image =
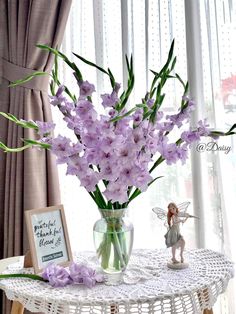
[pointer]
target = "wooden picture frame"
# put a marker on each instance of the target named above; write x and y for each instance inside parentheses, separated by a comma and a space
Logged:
(48, 237)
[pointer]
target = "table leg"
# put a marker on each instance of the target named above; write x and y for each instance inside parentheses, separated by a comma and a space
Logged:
(17, 308)
(114, 309)
(206, 311)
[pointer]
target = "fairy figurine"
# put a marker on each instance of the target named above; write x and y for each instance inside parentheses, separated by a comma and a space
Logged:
(173, 238)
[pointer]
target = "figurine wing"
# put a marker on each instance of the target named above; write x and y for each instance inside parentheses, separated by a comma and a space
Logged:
(161, 213)
(183, 207)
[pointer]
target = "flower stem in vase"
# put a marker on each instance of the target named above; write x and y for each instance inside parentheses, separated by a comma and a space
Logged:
(113, 238)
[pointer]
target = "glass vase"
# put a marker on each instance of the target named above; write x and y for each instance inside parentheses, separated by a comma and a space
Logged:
(113, 240)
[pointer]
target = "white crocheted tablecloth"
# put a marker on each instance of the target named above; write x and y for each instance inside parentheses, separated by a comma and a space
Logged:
(147, 286)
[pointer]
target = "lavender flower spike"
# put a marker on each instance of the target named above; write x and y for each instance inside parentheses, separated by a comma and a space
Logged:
(45, 128)
(56, 275)
(86, 89)
(83, 274)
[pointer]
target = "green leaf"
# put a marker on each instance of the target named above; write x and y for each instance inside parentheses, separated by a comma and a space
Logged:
(230, 133)
(124, 115)
(112, 79)
(56, 52)
(23, 124)
(27, 78)
(170, 54)
(232, 128)
(157, 163)
(9, 116)
(91, 63)
(29, 276)
(173, 63)
(181, 81)
(127, 63)
(217, 133)
(33, 142)
(186, 88)
(13, 150)
(141, 106)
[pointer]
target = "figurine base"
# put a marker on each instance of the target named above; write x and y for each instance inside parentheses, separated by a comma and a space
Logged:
(177, 265)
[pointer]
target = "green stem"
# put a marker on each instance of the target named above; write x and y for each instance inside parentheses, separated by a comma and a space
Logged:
(118, 247)
(30, 276)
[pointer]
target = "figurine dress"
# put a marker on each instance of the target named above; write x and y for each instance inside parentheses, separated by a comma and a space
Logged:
(173, 234)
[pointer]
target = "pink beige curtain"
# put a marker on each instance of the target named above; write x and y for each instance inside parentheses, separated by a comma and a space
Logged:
(27, 180)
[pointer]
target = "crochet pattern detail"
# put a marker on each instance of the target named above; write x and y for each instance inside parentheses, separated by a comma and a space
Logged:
(147, 286)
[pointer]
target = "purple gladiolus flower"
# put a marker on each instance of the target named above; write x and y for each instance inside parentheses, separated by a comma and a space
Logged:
(137, 117)
(109, 100)
(86, 89)
(169, 152)
(56, 275)
(142, 180)
(178, 119)
(58, 99)
(45, 128)
(84, 109)
(117, 88)
(203, 128)
(77, 165)
(61, 148)
(83, 274)
(150, 102)
(89, 180)
(67, 107)
(116, 192)
(112, 113)
(109, 172)
(182, 152)
(190, 136)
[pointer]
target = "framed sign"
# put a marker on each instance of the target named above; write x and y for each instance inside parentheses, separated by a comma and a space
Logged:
(48, 237)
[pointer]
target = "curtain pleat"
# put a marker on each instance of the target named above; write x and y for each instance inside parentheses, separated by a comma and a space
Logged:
(28, 179)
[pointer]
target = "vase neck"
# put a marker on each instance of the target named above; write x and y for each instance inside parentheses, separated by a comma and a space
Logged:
(113, 213)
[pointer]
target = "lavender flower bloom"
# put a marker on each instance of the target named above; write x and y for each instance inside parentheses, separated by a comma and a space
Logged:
(142, 180)
(89, 180)
(84, 109)
(109, 172)
(44, 128)
(178, 119)
(150, 102)
(75, 273)
(138, 137)
(109, 100)
(117, 88)
(169, 152)
(77, 166)
(83, 274)
(190, 136)
(67, 107)
(126, 153)
(116, 192)
(191, 105)
(112, 113)
(58, 99)
(61, 148)
(182, 152)
(203, 128)
(137, 117)
(56, 275)
(86, 89)
(165, 126)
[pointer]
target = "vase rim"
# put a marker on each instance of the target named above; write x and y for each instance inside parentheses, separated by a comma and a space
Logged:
(112, 213)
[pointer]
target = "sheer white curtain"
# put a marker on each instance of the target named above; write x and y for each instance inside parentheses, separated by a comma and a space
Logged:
(104, 31)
